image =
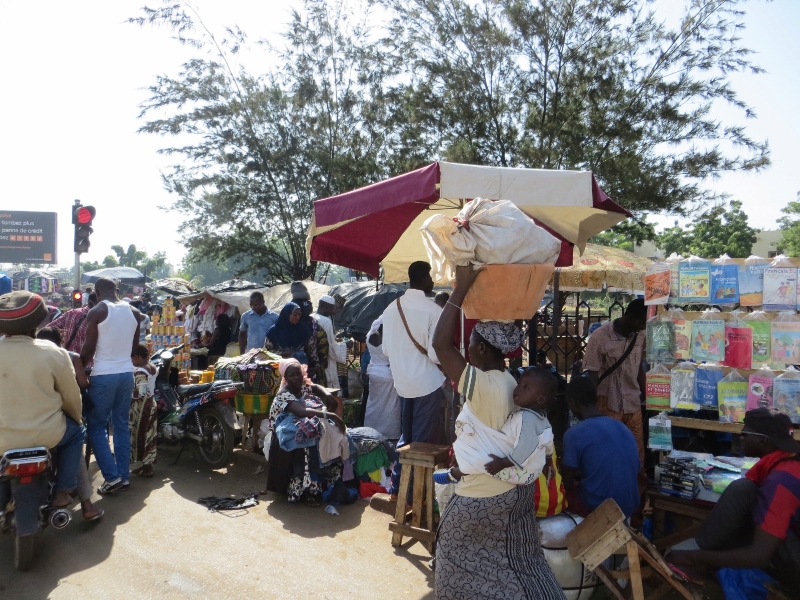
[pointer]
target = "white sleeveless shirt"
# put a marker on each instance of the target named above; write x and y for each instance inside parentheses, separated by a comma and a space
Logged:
(115, 340)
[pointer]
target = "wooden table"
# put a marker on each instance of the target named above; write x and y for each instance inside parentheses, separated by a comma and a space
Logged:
(660, 504)
(707, 425)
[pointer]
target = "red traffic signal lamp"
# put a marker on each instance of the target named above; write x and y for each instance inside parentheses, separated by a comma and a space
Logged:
(82, 217)
(77, 299)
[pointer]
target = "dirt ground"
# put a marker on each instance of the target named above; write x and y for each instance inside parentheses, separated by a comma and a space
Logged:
(156, 541)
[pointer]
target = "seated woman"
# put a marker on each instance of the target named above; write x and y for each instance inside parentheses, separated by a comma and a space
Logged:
(290, 337)
(308, 403)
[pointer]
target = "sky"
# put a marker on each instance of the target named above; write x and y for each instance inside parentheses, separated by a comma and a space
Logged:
(74, 74)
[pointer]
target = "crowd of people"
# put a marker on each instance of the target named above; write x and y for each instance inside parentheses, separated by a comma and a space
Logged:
(487, 543)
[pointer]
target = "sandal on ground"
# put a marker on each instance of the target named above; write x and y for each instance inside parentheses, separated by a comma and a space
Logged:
(145, 471)
(99, 513)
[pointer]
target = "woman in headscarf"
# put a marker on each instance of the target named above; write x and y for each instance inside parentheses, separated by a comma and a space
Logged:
(318, 351)
(308, 403)
(487, 532)
(290, 337)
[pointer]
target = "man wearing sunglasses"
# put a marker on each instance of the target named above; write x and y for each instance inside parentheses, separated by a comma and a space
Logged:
(756, 522)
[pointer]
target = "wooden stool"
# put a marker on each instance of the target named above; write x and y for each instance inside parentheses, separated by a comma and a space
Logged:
(604, 533)
(424, 458)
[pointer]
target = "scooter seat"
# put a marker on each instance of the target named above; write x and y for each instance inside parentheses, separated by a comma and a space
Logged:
(185, 391)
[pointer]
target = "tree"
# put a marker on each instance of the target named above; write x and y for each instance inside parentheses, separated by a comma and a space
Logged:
(713, 233)
(600, 85)
(265, 147)
(790, 228)
(108, 262)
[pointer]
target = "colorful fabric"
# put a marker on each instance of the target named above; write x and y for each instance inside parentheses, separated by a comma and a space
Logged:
(143, 423)
(778, 479)
(550, 497)
(506, 337)
(488, 548)
(67, 323)
(367, 489)
(604, 349)
(371, 461)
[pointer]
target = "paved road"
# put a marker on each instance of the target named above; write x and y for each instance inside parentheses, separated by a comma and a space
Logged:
(155, 541)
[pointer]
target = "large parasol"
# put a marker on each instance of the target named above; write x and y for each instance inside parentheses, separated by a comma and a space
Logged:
(126, 275)
(378, 225)
(604, 268)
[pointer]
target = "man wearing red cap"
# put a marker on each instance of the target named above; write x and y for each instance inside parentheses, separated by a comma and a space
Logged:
(40, 402)
(756, 522)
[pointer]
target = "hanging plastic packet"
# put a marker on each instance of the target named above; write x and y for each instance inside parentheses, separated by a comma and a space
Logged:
(738, 343)
(732, 397)
(657, 388)
(780, 285)
(673, 260)
(683, 334)
(786, 394)
(694, 280)
(681, 390)
(706, 378)
(759, 388)
(761, 326)
(785, 339)
(659, 435)
(724, 281)
(657, 283)
(660, 340)
(751, 281)
(708, 337)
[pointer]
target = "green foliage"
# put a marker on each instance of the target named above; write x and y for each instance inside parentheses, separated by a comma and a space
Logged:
(790, 228)
(714, 232)
(267, 146)
(600, 85)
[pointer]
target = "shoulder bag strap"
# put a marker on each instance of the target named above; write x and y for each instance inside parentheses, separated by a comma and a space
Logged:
(408, 331)
(621, 360)
(77, 327)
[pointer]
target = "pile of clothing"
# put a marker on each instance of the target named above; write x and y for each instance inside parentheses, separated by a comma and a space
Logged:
(371, 460)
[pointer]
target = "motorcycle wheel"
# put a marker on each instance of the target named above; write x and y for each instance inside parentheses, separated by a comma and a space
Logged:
(216, 449)
(23, 552)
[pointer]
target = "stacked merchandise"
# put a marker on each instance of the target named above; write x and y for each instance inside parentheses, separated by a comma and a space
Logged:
(258, 369)
(37, 285)
(680, 477)
(165, 332)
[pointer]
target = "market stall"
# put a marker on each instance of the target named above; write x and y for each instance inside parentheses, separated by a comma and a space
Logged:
(174, 286)
(36, 281)
(734, 348)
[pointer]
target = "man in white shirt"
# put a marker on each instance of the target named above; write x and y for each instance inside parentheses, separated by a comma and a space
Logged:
(337, 351)
(409, 347)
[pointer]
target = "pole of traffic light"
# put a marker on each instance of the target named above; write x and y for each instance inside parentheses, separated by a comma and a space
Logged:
(77, 256)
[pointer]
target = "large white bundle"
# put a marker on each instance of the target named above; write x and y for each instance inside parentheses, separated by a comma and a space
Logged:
(577, 582)
(485, 232)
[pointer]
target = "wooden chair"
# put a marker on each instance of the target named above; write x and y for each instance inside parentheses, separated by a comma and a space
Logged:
(604, 533)
(422, 460)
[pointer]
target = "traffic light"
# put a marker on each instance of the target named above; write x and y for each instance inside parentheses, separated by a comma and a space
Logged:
(82, 217)
(77, 299)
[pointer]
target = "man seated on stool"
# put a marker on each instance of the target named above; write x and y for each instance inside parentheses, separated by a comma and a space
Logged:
(601, 459)
(756, 522)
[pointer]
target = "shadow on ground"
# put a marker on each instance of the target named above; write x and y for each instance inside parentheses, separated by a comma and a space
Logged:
(66, 552)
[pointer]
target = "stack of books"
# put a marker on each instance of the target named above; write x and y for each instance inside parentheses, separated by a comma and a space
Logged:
(680, 477)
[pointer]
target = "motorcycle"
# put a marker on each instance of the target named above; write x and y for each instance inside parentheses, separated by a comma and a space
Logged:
(26, 488)
(201, 414)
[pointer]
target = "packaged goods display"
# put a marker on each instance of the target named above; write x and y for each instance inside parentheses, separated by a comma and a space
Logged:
(166, 333)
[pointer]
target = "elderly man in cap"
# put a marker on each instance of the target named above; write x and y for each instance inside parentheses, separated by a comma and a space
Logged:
(756, 522)
(40, 402)
(337, 350)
